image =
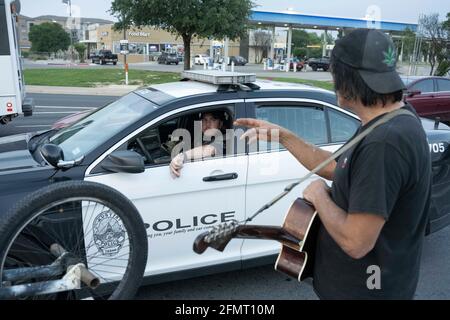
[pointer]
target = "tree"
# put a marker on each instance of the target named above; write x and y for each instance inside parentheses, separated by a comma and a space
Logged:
(446, 23)
(302, 39)
(300, 52)
(48, 37)
(262, 40)
(437, 37)
(217, 19)
(409, 40)
(81, 49)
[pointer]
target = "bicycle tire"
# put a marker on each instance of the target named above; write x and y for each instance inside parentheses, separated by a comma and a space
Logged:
(20, 215)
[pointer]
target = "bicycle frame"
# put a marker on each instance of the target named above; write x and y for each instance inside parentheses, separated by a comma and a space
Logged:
(72, 280)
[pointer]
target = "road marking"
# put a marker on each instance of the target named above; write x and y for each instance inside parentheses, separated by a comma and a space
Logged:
(61, 107)
(12, 139)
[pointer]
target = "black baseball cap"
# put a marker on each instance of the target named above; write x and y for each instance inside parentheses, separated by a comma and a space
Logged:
(373, 54)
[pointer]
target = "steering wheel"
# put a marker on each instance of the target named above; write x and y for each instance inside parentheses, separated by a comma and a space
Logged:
(165, 148)
(145, 151)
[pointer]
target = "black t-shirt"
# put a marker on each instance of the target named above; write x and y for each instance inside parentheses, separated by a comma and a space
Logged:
(388, 174)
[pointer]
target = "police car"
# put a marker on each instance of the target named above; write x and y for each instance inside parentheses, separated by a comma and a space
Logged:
(126, 145)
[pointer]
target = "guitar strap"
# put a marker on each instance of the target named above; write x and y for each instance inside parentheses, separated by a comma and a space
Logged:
(337, 154)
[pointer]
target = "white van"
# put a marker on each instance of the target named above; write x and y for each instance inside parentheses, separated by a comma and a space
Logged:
(12, 89)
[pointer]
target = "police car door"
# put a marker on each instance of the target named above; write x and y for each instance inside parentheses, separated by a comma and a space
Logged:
(209, 192)
(272, 168)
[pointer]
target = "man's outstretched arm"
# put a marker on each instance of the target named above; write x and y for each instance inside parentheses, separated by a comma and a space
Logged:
(307, 154)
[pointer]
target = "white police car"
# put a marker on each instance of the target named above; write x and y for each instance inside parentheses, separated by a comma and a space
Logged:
(126, 145)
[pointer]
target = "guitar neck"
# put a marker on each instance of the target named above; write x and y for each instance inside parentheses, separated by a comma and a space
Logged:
(268, 233)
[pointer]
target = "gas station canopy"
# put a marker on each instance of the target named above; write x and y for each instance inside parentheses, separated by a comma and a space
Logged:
(297, 20)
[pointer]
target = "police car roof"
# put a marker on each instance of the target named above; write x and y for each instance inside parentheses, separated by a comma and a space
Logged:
(191, 88)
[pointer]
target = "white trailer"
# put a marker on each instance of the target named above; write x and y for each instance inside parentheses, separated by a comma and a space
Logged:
(13, 101)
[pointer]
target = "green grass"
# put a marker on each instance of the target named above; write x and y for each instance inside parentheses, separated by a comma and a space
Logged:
(102, 77)
(95, 77)
(320, 84)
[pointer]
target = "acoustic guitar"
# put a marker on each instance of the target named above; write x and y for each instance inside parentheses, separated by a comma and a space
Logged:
(298, 237)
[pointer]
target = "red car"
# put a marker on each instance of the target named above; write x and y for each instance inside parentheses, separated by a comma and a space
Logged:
(300, 66)
(430, 96)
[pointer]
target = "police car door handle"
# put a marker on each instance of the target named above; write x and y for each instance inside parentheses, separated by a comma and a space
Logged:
(222, 177)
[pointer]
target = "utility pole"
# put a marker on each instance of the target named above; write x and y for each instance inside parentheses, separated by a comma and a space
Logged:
(69, 3)
(125, 56)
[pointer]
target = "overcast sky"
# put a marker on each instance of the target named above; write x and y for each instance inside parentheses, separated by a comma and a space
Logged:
(390, 10)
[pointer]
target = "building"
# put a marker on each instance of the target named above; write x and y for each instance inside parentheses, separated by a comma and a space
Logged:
(78, 27)
(145, 44)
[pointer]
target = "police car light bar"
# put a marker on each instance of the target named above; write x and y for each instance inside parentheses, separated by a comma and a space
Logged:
(219, 77)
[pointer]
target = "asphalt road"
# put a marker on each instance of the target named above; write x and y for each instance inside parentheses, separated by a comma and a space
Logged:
(257, 283)
(49, 109)
(263, 283)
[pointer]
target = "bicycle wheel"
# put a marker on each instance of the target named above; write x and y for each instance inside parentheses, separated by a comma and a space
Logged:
(69, 224)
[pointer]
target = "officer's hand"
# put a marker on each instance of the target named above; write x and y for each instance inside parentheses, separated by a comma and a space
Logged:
(175, 165)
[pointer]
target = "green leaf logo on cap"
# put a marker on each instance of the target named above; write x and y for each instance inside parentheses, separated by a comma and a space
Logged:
(389, 57)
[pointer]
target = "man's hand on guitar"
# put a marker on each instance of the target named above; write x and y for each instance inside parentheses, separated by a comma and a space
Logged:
(260, 129)
(318, 190)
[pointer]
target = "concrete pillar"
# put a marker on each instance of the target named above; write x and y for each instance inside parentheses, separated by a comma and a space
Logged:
(211, 49)
(401, 51)
(324, 43)
(272, 45)
(226, 50)
(289, 47)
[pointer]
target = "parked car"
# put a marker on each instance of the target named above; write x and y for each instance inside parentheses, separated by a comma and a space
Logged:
(135, 131)
(168, 58)
(104, 57)
(238, 61)
(319, 63)
(430, 96)
(201, 59)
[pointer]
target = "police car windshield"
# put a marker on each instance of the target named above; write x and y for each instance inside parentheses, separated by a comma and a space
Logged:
(92, 131)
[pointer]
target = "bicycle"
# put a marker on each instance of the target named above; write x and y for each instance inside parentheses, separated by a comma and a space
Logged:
(72, 240)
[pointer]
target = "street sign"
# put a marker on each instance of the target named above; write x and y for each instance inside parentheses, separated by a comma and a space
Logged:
(124, 47)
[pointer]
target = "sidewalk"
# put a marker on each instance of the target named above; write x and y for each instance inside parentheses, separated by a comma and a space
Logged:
(112, 90)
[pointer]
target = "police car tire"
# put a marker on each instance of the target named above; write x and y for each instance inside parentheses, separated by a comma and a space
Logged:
(19, 216)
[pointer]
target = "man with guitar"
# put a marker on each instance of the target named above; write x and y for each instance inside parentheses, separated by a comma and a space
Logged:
(375, 213)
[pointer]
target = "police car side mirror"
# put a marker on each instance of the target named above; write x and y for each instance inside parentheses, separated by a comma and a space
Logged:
(124, 161)
(52, 154)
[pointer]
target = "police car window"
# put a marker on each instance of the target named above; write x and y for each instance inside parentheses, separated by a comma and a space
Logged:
(423, 86)
(342, 126)
(443, 85)
(308, 122)
(158, 144)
